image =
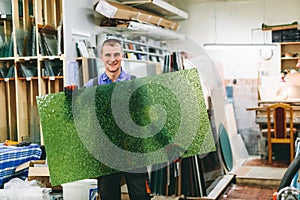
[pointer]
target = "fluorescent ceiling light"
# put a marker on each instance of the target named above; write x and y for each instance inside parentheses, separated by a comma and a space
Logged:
(226, 45)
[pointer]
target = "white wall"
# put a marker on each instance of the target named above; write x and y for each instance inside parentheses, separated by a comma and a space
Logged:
(78, 25)
(238, 22)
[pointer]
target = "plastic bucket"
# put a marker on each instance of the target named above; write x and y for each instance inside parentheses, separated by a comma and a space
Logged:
(80, 190)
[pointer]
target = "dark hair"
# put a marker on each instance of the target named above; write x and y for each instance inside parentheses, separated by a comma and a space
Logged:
(111, 42)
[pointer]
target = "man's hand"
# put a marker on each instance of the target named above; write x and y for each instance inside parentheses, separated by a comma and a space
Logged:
(70, 90)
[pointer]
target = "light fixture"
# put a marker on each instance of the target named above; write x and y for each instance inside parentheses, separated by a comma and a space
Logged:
(226, 45)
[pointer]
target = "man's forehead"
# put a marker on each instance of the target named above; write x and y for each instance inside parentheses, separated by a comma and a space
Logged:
(112, 48)
(112, 45)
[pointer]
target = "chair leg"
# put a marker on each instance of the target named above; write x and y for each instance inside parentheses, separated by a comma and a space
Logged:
(292, 149)
(270, 152)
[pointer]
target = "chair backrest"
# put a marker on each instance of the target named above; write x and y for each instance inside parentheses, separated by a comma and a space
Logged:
(278, 116)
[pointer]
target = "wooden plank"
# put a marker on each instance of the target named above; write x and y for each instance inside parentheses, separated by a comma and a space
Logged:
(56, 85)
(12, 117)
(3, 111)
(25, 14)
(22, 109)
(34, 119)
(43, 87)
(57, 12)
(48, 12)
(85, 70)
(279, 26)
(40, 74)
(264, 108)
(49, 86)
(39, 12)
(7, 28)
(15, 15)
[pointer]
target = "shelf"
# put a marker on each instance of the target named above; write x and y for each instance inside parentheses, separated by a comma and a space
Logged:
(50, 57)
(134, 42)
(6, 16)
(26, 58)
(7, 58)
(134, 51)
(28, 19)
(292, 52)
(158, 7)
(127, 42)
(52, 78)
(290, 43)
(140, 61)
(291, 58)
(155, 54)
(28, 78)
(151, 31)
(151, 49)
(7, 79)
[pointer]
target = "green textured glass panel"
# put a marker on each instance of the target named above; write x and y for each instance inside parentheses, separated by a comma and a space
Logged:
(124, 126)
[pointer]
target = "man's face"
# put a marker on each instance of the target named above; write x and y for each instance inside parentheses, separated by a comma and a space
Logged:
(112, 57)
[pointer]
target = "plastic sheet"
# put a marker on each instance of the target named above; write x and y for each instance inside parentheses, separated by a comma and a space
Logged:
(25, 190)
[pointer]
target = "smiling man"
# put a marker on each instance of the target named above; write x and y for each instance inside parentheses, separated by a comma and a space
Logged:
(112, 55)
(109, 185)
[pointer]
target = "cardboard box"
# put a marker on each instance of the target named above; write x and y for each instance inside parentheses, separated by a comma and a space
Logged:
(120, 11)
(38, 170)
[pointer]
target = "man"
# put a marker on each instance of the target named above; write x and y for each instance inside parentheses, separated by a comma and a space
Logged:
(112, 55)
(109, 186)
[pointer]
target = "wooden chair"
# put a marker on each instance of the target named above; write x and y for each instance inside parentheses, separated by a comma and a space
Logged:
(280, 127)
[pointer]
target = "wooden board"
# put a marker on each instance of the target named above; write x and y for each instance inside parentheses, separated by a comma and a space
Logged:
(95, 135)
(279, 26)
(3, 111)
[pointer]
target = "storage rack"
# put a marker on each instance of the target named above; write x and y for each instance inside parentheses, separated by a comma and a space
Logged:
(23, 29)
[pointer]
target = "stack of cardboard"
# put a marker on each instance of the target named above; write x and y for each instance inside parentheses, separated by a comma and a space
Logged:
(115, 10)
(38, 170)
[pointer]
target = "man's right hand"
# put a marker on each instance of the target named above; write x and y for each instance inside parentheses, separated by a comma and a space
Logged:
(70, 90)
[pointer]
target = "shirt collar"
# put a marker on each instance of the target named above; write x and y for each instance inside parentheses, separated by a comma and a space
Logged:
(121, 76)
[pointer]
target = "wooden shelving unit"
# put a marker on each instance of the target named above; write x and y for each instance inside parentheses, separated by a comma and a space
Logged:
(19, 115)
(289, 55)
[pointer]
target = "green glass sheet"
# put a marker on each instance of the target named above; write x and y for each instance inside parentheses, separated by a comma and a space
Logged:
(226, 147)
(124, 126)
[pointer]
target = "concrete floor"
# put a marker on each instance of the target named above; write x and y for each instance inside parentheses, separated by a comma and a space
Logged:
(256, 179)
(244, 192)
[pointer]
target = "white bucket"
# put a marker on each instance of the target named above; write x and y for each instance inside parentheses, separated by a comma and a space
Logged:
(80, 190)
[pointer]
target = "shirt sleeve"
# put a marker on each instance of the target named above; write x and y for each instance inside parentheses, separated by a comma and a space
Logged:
(89, 83)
